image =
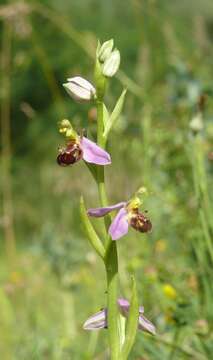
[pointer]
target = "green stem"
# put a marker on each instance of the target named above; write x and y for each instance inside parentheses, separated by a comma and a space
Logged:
(174, 343)
(201, 190)
(100, 169)
(100, 124)
(111, 264)
(111, 259)
(5, 124)
(189, 352)
(146, 126)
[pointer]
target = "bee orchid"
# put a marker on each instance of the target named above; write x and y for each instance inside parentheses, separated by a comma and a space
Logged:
(99, 319)
(128, 215)
(79, 147)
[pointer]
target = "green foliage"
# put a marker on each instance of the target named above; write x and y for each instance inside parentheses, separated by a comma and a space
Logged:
(90, 231)
(132, 322)
(114, 115)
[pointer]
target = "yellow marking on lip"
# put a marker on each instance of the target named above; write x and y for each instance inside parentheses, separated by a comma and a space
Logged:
(133, 204)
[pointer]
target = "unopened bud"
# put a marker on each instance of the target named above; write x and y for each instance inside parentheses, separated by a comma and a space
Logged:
(196, 124)
(80, 89)
(111, 65)
(105, 50)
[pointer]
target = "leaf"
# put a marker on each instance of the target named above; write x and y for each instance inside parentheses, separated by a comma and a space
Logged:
(90, 231)
(115, 114)
(111, 263)
(132, 322)
(98, 47)
(106, 115)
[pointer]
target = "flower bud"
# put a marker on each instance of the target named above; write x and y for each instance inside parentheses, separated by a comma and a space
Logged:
(105, 50)
(111, 65)
(80, 89)
(196, 124)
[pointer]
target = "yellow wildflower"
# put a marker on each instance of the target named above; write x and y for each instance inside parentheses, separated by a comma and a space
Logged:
(169, 291)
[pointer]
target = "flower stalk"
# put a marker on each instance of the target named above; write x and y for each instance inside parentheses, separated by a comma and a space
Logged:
(111, 258)
(120, 318)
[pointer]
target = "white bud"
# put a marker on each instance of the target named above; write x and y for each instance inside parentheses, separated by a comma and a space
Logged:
(196, 124)
(105, 50)
(80, 89)
(111, 65)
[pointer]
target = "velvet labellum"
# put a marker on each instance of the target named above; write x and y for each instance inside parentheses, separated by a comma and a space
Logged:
(70, 154)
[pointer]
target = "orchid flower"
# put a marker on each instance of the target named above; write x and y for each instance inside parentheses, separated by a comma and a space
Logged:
(79, 147)
(99, 319)
(128, 215)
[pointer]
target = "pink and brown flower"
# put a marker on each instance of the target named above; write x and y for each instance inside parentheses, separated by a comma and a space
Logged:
(80, 147)
(128, 215)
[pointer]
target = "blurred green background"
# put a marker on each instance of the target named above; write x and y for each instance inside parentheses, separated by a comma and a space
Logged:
(51, 280)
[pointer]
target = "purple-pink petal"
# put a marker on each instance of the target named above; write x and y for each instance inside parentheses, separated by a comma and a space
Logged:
(143, 323)
(98, 212)
(141, 309)
(92, 153)
(146, 325)
(99, 319)
(124, 307)
(96, 321)
(119, 227)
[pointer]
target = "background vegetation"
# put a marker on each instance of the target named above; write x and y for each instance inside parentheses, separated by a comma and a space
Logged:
(50, 279)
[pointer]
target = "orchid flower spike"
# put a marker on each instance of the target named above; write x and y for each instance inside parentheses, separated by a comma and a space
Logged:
(128, 215)
(99, 320)
(79, 147)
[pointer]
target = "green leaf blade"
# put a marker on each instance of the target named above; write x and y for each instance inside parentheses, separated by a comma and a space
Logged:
(106, 115)
(132, 323)
(90, 231)
(115, 114)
